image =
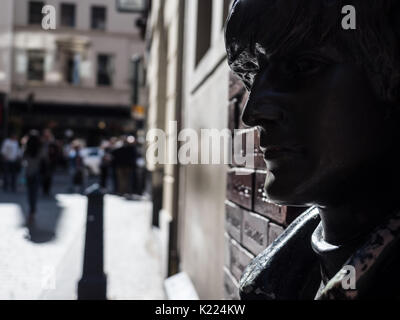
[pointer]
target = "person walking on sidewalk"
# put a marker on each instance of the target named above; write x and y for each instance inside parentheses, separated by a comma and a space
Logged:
(32, 159)
(125, 162)
(105, 165)
(77, 168)
(11, 153)
(49, 161)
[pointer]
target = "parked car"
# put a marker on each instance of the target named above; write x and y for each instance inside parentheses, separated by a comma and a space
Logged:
(92, 159)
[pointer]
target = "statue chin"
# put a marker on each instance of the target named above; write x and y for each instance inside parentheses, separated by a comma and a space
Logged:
(281, 193)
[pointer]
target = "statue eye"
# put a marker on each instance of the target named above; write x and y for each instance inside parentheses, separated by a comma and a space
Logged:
(302, 66)
(306, 65)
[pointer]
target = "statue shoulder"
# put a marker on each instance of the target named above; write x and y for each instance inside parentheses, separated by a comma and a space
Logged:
(288, 268)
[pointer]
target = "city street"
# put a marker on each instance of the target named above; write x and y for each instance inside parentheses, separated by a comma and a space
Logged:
(45, 261)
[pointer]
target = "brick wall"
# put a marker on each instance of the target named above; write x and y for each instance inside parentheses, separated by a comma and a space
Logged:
(251, 222)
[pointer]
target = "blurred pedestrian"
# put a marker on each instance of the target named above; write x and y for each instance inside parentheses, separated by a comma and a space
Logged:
(77, 167)
(124, 159)
(11, 154)
(49, 162)
(140, 174)
(22, 176)
(105, 166)
(32, 157)
(115, 143)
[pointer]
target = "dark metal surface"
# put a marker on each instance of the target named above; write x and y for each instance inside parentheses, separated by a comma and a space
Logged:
(93, 284)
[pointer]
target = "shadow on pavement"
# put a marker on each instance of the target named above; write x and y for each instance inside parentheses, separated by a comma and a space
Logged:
(43, 229)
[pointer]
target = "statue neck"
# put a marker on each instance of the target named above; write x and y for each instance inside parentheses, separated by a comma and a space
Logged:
(362, 205)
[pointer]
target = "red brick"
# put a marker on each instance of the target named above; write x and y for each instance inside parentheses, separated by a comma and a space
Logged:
(254, 232)
(233, 220)
(262, 204)
(231, 286)
(274, 232)
(240, 187)
(240, 259)
(227, 256)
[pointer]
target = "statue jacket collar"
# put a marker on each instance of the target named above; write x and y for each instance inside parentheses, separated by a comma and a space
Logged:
(289, 269)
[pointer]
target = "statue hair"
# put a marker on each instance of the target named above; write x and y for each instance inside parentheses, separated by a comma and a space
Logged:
(258, 28)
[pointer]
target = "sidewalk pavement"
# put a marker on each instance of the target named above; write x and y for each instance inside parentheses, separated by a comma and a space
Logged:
(45, 262)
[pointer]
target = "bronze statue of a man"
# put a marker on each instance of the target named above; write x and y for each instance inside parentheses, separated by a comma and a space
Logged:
(326, 101)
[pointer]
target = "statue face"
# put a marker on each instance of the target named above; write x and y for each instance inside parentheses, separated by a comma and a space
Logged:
(324, 130)
(320, 125)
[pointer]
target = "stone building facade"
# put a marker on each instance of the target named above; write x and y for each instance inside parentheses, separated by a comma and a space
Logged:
(77, 75)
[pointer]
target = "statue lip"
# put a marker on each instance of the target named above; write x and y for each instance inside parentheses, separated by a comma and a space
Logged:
(274, 151)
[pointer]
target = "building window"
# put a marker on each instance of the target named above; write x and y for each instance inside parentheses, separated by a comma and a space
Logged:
(35, 65)
(204, 21)
(104, 70)
(98, 18)
(138, 77)
(35, 12)
(72, 68)
(68, 15)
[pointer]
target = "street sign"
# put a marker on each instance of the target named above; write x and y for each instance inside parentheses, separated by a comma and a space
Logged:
(132, 6)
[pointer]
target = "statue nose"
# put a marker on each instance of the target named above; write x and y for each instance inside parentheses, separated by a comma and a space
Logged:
(260, 109)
